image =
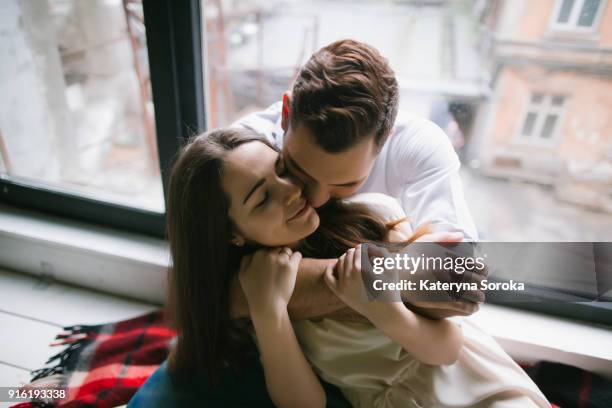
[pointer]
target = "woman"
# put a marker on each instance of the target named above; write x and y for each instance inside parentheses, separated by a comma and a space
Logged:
(234, 212)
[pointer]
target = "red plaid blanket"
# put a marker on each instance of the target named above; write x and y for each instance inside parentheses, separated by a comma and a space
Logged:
(103, 366)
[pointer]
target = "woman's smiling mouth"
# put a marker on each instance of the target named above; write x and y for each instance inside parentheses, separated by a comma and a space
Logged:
(301, 211)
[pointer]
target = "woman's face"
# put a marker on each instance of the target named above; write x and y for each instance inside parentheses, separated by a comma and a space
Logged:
(267, 207)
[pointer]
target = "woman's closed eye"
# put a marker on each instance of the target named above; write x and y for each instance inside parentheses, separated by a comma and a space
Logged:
(264, 201)
(281, 171)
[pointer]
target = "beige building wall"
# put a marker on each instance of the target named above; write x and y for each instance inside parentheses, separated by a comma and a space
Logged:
(534, 21)
(586, 123)
(530, 20)
(605, 26)
(584, 133)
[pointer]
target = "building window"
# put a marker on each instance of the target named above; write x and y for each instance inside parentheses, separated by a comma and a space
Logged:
(577, 14)
(542, 118)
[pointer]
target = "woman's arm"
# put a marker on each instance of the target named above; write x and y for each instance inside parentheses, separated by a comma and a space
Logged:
(268, 279)
(289, 378)
(436, 342)
(430, 341)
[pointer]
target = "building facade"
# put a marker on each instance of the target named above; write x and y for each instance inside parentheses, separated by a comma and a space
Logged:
(549, 119)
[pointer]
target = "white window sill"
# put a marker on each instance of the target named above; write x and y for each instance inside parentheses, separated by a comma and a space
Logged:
(134, 265)
(530, 337)
(92, 256)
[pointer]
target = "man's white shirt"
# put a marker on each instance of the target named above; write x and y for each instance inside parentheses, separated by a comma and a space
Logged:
(417, 166)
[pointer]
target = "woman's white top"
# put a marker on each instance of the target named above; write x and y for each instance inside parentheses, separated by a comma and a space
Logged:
(373, 371)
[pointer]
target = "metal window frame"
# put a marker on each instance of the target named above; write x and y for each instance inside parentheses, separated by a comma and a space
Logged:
(174, 45)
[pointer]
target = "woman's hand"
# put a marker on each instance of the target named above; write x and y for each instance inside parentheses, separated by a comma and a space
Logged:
(346, 281)
(268, 278)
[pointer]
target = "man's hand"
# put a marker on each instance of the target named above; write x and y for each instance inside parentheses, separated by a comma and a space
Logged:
(464, 306)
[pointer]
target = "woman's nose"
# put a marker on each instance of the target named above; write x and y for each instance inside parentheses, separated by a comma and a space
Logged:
(293, 192)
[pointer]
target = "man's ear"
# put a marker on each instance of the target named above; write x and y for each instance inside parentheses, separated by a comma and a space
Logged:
(285, 111)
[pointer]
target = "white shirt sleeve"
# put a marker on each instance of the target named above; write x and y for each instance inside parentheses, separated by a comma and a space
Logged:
(428, 168)
(266, 123)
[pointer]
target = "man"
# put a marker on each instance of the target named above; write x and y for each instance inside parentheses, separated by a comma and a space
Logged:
(340, 134)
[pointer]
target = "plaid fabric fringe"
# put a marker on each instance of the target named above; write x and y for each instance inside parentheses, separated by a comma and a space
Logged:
(103, 365)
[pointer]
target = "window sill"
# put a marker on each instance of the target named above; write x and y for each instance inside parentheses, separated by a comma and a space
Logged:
(135, 266)
(101, 258)
(530, 337)
(585, 36)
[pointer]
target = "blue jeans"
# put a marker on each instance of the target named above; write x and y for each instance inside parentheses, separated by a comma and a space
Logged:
(247, 390)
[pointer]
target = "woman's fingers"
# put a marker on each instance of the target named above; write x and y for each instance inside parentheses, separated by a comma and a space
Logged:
(349, 262)
(294, 260)
(341, 265)
(330, 279)
(285, 251)
(357, 258)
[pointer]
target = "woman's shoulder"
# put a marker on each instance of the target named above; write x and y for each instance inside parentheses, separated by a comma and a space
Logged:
(385, 206)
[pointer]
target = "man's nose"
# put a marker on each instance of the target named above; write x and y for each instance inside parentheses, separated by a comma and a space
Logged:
(317, 195)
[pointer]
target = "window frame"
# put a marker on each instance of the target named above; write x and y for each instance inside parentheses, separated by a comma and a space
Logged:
(176, 59)
(174, 34)
(572, 24)
(541, 110)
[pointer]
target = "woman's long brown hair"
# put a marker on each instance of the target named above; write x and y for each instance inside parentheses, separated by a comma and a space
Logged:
(204, 263)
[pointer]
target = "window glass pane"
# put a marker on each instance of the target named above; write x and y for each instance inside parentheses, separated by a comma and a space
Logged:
(456, 65)
(75, 111)
(549, 126)
(528, 125)
(557, 100)
(565, 11)
(588, 13)
(447, 73)
(537, 98)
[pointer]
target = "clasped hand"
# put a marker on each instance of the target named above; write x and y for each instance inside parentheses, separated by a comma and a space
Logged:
(268, 278)
(345, 280)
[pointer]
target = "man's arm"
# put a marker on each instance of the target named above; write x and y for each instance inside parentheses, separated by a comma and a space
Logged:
(431, 192)
(311, 297)
(430, 185)
(434, 309)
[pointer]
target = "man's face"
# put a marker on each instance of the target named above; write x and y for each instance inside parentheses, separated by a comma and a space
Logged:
(325, 175)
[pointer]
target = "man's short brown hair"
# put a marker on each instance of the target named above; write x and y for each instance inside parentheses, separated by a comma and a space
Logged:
(344, 93)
